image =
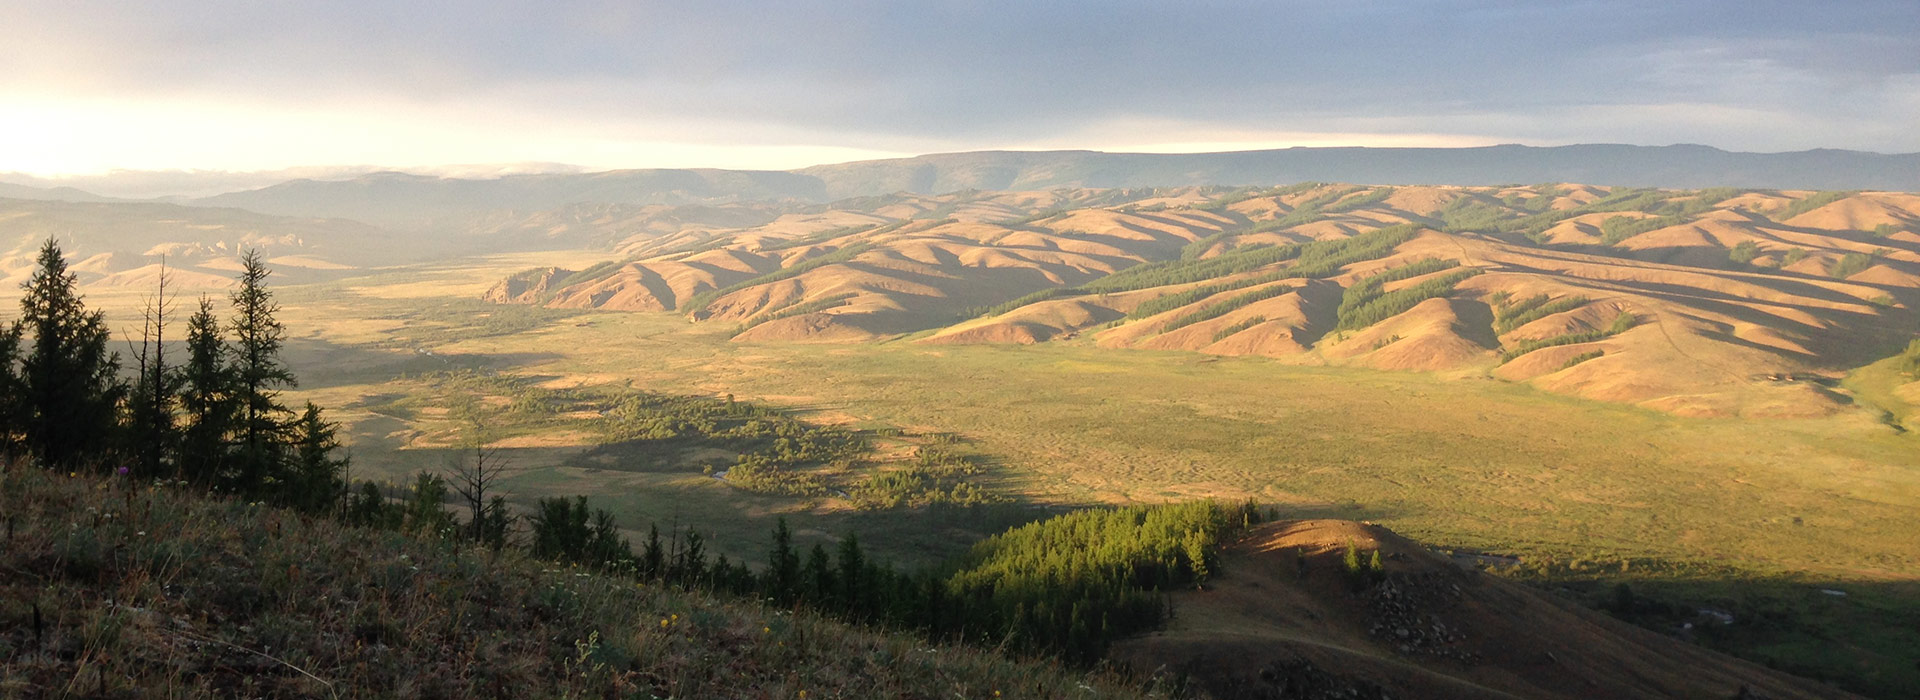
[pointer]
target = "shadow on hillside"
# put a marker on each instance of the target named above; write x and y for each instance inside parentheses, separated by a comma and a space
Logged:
(1860, 635)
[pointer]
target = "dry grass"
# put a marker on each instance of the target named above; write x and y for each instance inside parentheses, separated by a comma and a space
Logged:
(119, 589)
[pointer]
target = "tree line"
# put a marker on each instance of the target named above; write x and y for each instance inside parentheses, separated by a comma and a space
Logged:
(213, 419)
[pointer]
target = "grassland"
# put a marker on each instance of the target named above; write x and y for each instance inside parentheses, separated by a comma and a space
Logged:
(1455, 460)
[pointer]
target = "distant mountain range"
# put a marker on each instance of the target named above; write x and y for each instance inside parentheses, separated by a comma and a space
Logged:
(391, 198)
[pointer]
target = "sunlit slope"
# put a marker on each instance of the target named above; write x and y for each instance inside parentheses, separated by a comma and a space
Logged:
(1700, 302)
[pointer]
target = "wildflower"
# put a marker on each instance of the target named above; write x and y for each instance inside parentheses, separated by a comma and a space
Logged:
(121, 471)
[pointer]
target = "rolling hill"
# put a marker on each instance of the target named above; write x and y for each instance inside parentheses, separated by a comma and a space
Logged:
(1707, 302)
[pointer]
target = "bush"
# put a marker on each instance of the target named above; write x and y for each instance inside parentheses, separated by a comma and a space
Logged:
(1744, 253)
(1853, 263)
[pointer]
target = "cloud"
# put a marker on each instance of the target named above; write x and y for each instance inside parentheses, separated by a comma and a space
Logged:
(648, 80)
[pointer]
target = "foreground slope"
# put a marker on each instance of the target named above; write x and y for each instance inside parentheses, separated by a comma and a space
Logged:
(119, 589)
(1287, 620)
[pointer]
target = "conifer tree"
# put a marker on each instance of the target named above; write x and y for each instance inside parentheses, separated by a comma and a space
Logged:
(13, 393)
(207, 401)
(692, 567)
(853, 566)
(783, 565)
(258, 378)
(314, 483)
(71, 383)
(653, 559)
(817, 576)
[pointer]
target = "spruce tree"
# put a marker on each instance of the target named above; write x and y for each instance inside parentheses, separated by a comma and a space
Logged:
(258, 378)
(853, 565)
(71, 383)
(783, 565)
(207, 400)
(817, 576)
(314, 483)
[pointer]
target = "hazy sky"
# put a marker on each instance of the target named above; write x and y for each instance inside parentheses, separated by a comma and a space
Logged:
(261, 84)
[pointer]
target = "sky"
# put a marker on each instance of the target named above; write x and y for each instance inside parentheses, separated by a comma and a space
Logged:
(90, 87)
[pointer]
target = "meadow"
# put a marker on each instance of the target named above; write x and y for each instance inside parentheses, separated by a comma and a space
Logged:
(1587, 494)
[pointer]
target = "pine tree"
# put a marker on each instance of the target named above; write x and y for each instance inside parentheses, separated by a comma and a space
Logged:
(258, 377)
(314, 483)
(71, 383)
(13, 393)
(206, 400)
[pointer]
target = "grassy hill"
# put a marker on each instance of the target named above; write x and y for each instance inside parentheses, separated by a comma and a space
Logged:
(110, 588)
(1710, 302)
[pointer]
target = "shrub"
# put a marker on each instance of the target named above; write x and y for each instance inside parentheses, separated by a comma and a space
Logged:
(1853, 263)
(1744, 253)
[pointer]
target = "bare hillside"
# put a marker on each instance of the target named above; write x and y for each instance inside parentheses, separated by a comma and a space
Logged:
(1710, 302)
